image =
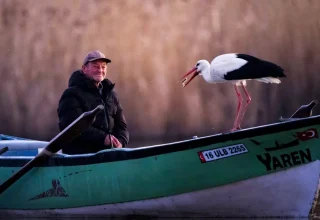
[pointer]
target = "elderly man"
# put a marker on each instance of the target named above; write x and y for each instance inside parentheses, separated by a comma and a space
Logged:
(87, 89)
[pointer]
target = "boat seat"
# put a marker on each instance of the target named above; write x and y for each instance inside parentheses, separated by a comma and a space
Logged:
(91, 154)
(9, 137)
(27, 153)
(22, 147)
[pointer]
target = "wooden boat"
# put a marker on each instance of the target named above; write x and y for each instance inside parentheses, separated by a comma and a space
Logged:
(265, 171)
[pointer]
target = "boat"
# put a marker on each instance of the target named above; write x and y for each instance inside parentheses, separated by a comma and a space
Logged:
(264, 171)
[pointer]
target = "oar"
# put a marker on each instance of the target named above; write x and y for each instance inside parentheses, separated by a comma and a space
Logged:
(3, 150)
(68, 134)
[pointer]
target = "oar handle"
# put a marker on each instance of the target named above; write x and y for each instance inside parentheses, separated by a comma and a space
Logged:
(3, 150)
(73, 130)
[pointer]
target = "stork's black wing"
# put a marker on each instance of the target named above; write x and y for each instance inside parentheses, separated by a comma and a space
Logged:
(255, 68)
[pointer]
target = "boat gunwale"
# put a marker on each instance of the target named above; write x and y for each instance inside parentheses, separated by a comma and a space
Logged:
(113, 155)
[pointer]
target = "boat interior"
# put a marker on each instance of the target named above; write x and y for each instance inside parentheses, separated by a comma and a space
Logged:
(22, 149)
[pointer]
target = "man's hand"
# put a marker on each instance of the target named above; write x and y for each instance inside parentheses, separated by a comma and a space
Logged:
(115, 142)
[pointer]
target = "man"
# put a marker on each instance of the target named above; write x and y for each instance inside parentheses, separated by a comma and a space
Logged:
(87, 89)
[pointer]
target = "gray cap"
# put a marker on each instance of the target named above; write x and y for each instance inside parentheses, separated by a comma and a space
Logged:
(95, 55)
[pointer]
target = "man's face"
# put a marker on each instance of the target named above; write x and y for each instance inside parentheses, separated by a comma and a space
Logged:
(95, 70)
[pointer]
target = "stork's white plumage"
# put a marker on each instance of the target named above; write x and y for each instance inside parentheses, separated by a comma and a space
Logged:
(236, 68)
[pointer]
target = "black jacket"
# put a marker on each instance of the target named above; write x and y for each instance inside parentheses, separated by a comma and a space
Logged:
(82, 95)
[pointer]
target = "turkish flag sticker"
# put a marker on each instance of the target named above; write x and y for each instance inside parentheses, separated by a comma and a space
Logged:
(202, 158)
(308, 134)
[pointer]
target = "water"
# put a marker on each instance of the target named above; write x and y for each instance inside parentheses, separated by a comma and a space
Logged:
(140, 217)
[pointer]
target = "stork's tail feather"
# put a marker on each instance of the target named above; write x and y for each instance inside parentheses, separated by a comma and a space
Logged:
(269, 80)
(274, 69)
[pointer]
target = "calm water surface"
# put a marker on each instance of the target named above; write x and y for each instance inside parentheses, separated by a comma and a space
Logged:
(148, 217)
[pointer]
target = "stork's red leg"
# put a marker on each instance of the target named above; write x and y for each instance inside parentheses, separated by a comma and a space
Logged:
(246, 105)
(235, 124)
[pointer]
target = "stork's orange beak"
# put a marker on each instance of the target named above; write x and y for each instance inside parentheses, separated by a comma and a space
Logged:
(185, 81)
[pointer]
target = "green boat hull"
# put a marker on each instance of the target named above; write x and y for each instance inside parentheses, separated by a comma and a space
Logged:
(124, 176)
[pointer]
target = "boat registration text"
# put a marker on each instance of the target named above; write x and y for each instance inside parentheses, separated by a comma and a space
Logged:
(223, 152)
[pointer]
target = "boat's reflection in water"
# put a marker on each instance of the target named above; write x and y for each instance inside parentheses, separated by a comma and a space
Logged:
(143, 217)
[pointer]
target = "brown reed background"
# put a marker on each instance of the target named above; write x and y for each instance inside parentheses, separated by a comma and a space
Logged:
(152, 43)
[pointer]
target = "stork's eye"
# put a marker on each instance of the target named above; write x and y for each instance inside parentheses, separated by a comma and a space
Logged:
(198, 64)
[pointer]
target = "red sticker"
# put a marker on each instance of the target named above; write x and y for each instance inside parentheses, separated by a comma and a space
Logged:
(203, 160)
(308, 134)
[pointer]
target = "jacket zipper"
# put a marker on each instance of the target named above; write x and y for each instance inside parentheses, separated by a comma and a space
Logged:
(106, 117)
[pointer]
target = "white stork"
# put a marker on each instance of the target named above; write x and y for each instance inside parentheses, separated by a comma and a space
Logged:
(236, 68)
